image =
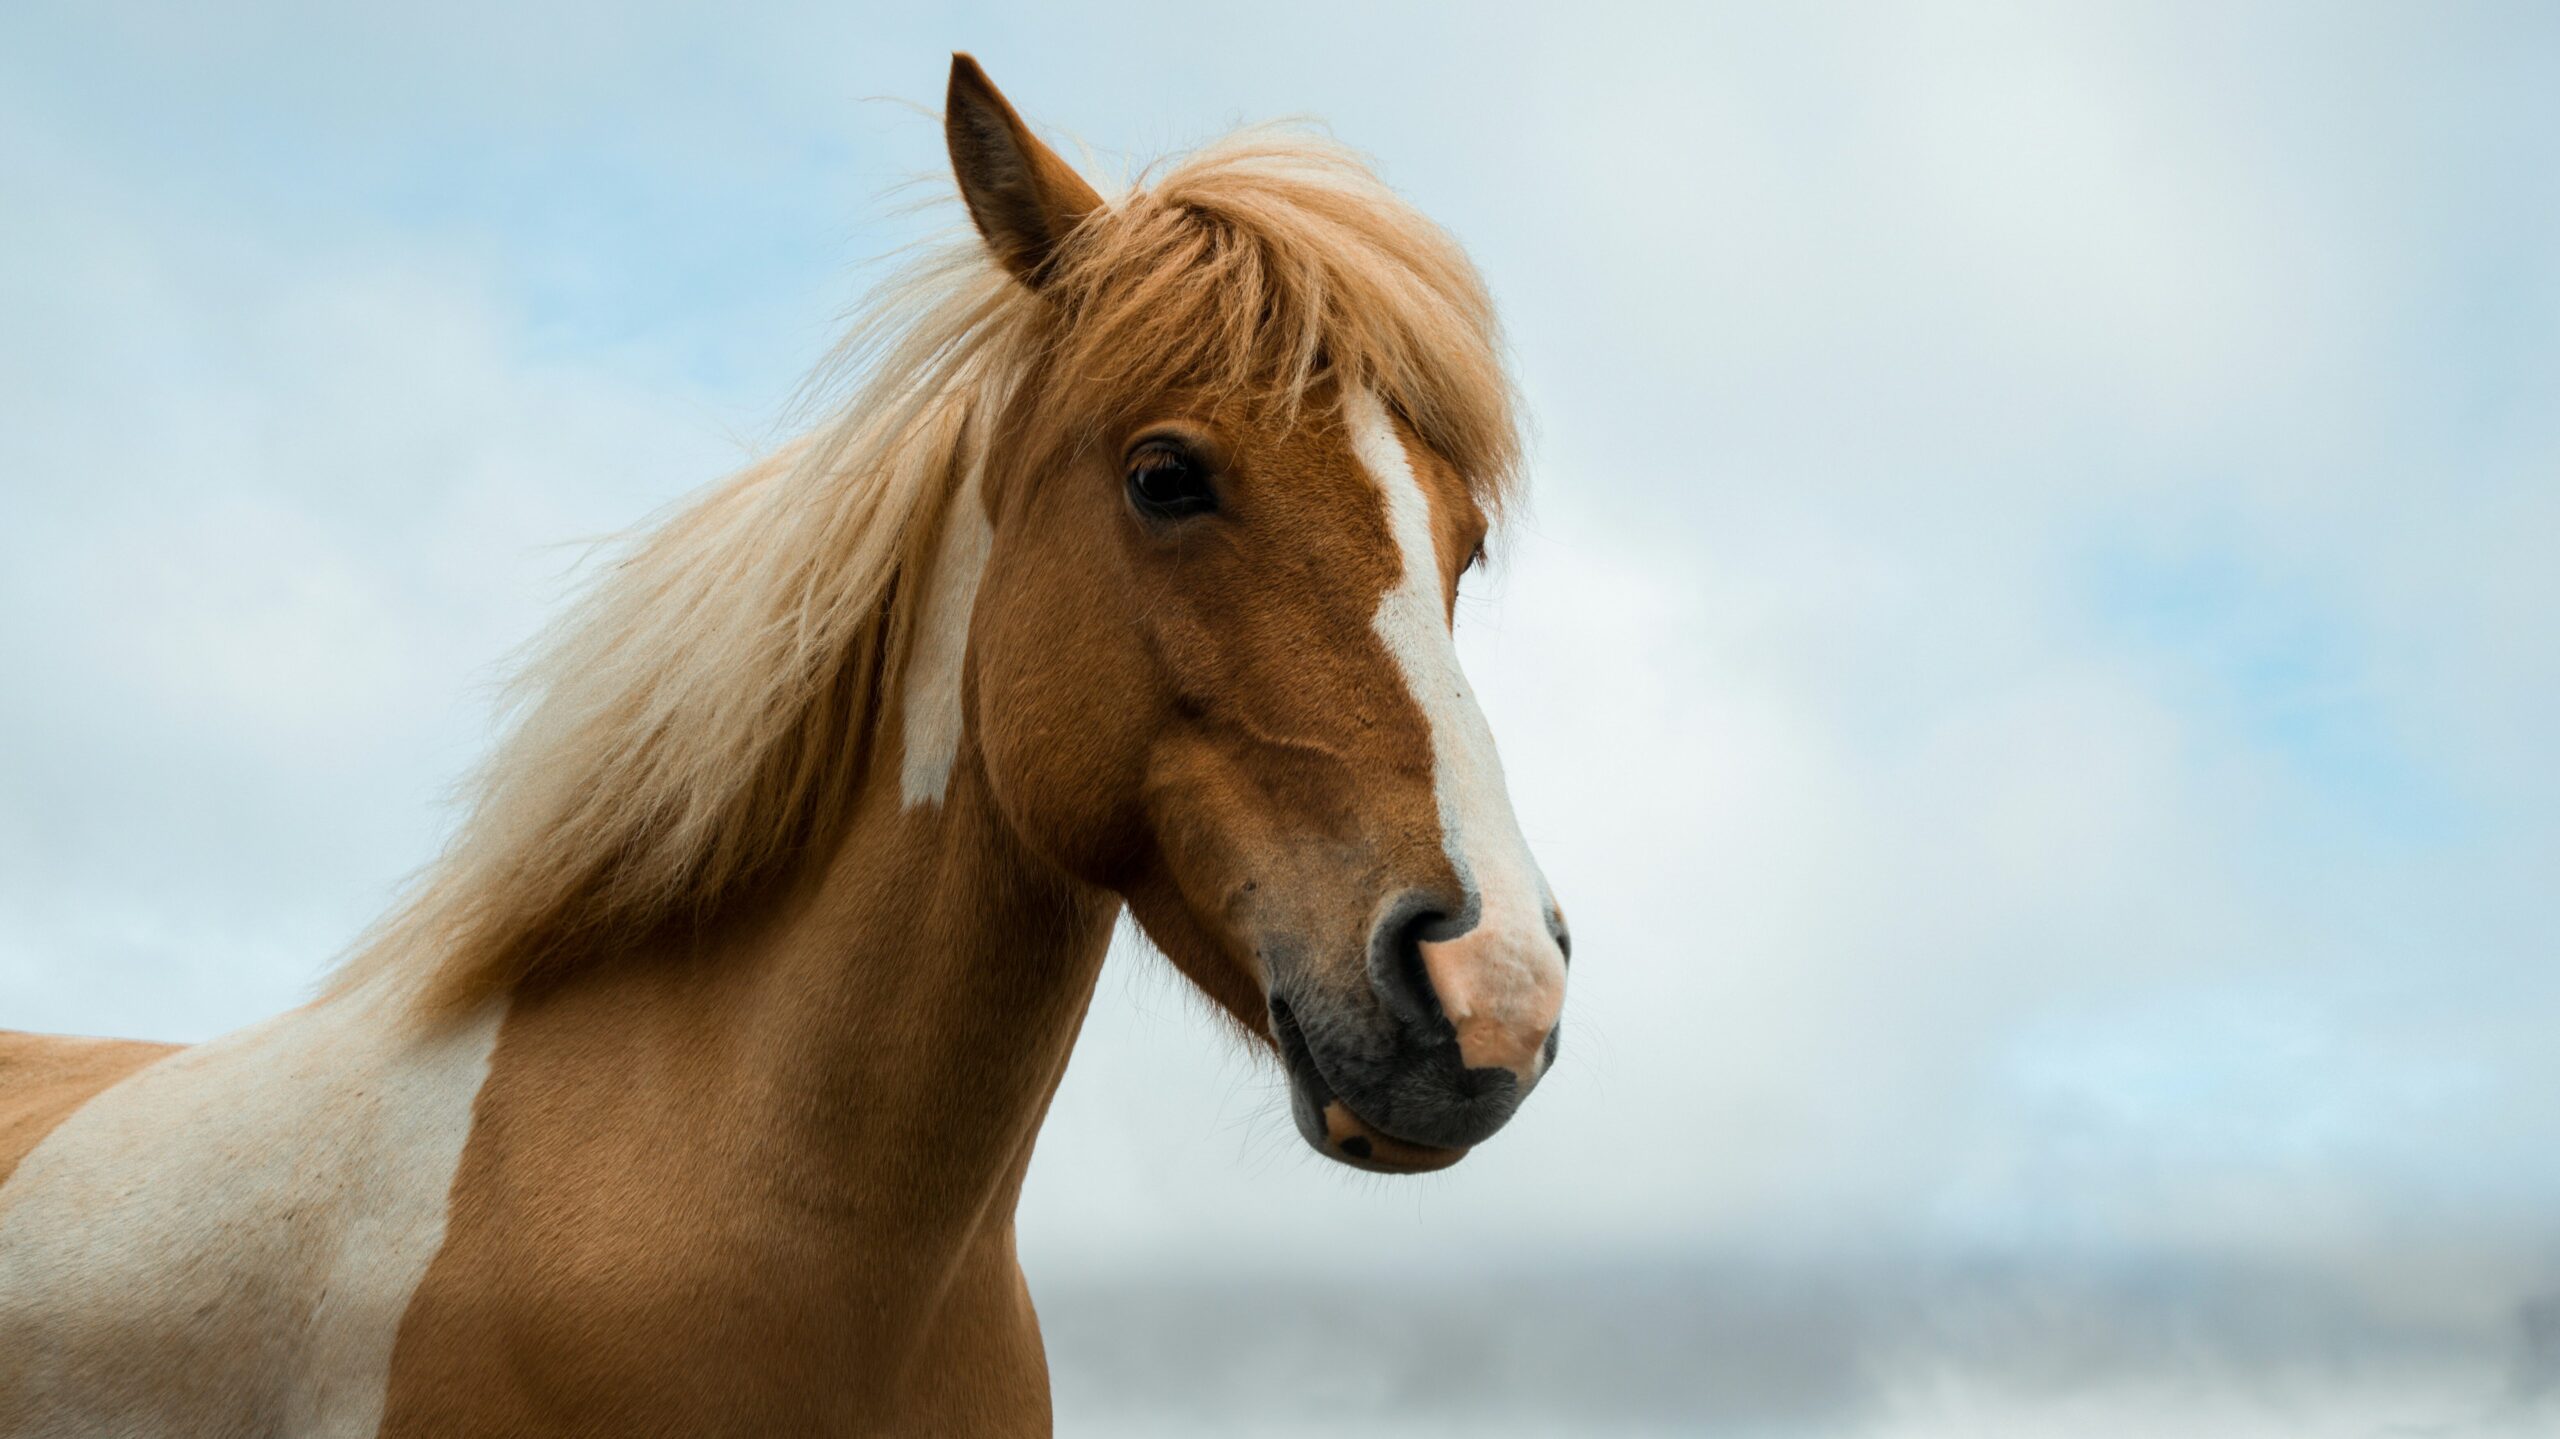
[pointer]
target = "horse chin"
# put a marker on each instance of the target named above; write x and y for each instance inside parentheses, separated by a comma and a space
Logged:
(1341, 1135)
(1334, 1130)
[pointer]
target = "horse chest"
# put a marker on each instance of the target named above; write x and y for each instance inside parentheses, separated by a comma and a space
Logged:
(624, 1310)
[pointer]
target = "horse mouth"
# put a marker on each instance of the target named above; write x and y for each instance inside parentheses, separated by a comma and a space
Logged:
(1332, 1127)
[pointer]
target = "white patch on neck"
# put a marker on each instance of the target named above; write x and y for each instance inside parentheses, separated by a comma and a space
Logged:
(1525, 969)
(224, 1242)
(933, 715)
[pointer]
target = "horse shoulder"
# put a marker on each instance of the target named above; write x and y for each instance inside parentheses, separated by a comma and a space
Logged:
(44, 1077)
(224, 1242)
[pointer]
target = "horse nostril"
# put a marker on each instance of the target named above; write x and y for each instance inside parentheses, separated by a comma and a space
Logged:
(1395, 961)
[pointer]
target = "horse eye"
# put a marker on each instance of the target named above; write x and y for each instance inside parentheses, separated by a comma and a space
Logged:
(1168, 482)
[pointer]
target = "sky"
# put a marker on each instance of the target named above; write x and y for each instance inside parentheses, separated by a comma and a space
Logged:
(2031, 661)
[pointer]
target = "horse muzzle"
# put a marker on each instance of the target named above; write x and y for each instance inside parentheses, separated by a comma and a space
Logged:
(1457, 1022)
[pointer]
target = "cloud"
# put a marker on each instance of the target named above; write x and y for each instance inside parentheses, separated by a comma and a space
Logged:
(1728, 1344)
(2031, 665)
(280, 515)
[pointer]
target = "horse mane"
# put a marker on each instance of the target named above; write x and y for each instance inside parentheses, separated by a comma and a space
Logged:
(706, 710)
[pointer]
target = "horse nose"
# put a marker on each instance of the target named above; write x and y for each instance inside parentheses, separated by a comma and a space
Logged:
(1498, 982)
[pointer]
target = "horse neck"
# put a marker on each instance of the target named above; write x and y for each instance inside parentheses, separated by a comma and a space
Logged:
(913, 1008)
(867, 1059)
(785, 1153)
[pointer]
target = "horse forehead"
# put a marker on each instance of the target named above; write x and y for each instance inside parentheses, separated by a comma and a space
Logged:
(1392, 464)
(1458, 522)
(1321, 474)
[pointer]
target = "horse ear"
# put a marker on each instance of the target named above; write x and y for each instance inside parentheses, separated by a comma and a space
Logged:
(1022, 196)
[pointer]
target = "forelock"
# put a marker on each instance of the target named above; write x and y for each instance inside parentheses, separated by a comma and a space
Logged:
(1259, 269)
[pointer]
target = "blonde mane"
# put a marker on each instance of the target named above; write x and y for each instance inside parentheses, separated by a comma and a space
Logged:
(706, 711)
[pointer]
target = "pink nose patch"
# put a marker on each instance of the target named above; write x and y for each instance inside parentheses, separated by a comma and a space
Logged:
(1502, 988)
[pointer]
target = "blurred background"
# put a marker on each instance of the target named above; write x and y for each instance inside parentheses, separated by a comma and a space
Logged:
(2033, 662)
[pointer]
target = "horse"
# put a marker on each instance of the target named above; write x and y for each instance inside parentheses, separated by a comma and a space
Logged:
(691, 1088)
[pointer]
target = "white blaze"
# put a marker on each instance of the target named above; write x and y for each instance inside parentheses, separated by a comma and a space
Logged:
(1510, 973)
